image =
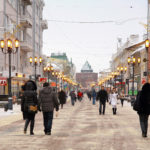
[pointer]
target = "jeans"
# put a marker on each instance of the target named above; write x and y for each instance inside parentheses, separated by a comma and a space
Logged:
(144, 123)
(122, 100)
(94, 99)
(102, 106)
(48, 119)
(72, 102)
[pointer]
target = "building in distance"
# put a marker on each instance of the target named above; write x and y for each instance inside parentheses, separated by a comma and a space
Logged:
(86, 77)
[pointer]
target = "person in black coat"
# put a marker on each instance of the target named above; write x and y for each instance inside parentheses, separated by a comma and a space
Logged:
(29, 98)
(24, 113)
(62, 98)
(102, 96)
(144, 102)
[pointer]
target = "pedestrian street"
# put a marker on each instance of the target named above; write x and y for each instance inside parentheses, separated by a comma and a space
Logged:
(78, 127)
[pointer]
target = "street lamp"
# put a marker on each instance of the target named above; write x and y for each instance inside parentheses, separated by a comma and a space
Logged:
(133, 61)
(48, 69)
(8, 47)
(122, 70)
(55, 74)
(35, 63)
(147, 44)
(115, 74)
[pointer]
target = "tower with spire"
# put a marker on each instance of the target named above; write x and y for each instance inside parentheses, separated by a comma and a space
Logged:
(86, 67)
(86, 77)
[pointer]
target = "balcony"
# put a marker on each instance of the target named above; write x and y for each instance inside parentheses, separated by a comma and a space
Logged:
(26, 46)
(26, 21)
(44, 24)
(27, 2)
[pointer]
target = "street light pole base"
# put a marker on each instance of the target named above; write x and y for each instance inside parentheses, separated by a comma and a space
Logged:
(10, 103)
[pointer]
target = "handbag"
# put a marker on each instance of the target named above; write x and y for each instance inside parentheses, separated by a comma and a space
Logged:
(32, 109)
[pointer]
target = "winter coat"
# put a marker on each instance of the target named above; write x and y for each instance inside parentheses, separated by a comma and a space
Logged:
(29, 98)
(93, 93)
(62, 97)
(102, 96)
(113, 99)
(48, 100)
(80, 94)
(144, 103)
(73, 95)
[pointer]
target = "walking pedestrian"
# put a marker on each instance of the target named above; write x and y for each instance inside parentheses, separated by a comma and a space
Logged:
(80, 95)
(48, 101)
(62, 98)
(73, 97)
(122, 97)
(94, 96)
(113, 100)
(102, 96)
(89, 95)
(29, 104)
(144, 105)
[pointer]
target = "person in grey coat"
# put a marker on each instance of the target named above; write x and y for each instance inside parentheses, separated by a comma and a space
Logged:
(48, 101)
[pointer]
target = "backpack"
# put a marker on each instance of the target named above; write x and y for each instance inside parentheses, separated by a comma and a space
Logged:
(137, 103)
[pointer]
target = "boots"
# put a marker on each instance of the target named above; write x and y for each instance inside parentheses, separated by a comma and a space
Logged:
(31, 127)
(113, 109)
(26, 126)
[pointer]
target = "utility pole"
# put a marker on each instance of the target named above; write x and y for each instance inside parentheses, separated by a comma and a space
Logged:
(4, 25)
(33, 30)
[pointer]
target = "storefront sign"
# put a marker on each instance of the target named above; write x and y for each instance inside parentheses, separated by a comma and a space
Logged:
(3, 81)
(43, 79)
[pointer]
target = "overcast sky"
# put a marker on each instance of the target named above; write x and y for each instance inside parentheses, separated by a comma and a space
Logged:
(95, 42)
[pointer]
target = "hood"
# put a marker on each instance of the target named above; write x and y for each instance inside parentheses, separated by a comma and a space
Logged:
(29, 93)
(30, 86)
(47, 90)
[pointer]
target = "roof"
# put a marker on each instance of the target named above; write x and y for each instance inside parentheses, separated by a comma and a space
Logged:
(86, 67)
(139, 50)
(137, 45)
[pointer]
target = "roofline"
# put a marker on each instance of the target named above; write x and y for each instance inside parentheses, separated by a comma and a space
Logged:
(135, 46)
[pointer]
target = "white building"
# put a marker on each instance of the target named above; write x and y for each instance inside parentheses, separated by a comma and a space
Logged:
(21, 19)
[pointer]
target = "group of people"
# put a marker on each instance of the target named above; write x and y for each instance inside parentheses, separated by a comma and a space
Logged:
(46, 101)
(74, 96)
(142, 103)
(102, 96)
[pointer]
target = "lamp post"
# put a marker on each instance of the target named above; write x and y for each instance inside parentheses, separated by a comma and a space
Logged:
(147, 44)
(133, 61)
(35, 64)
(48, 69)
(122, 70)
(8, 47)
(62, 80)
(115, 76)
(55, 74)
